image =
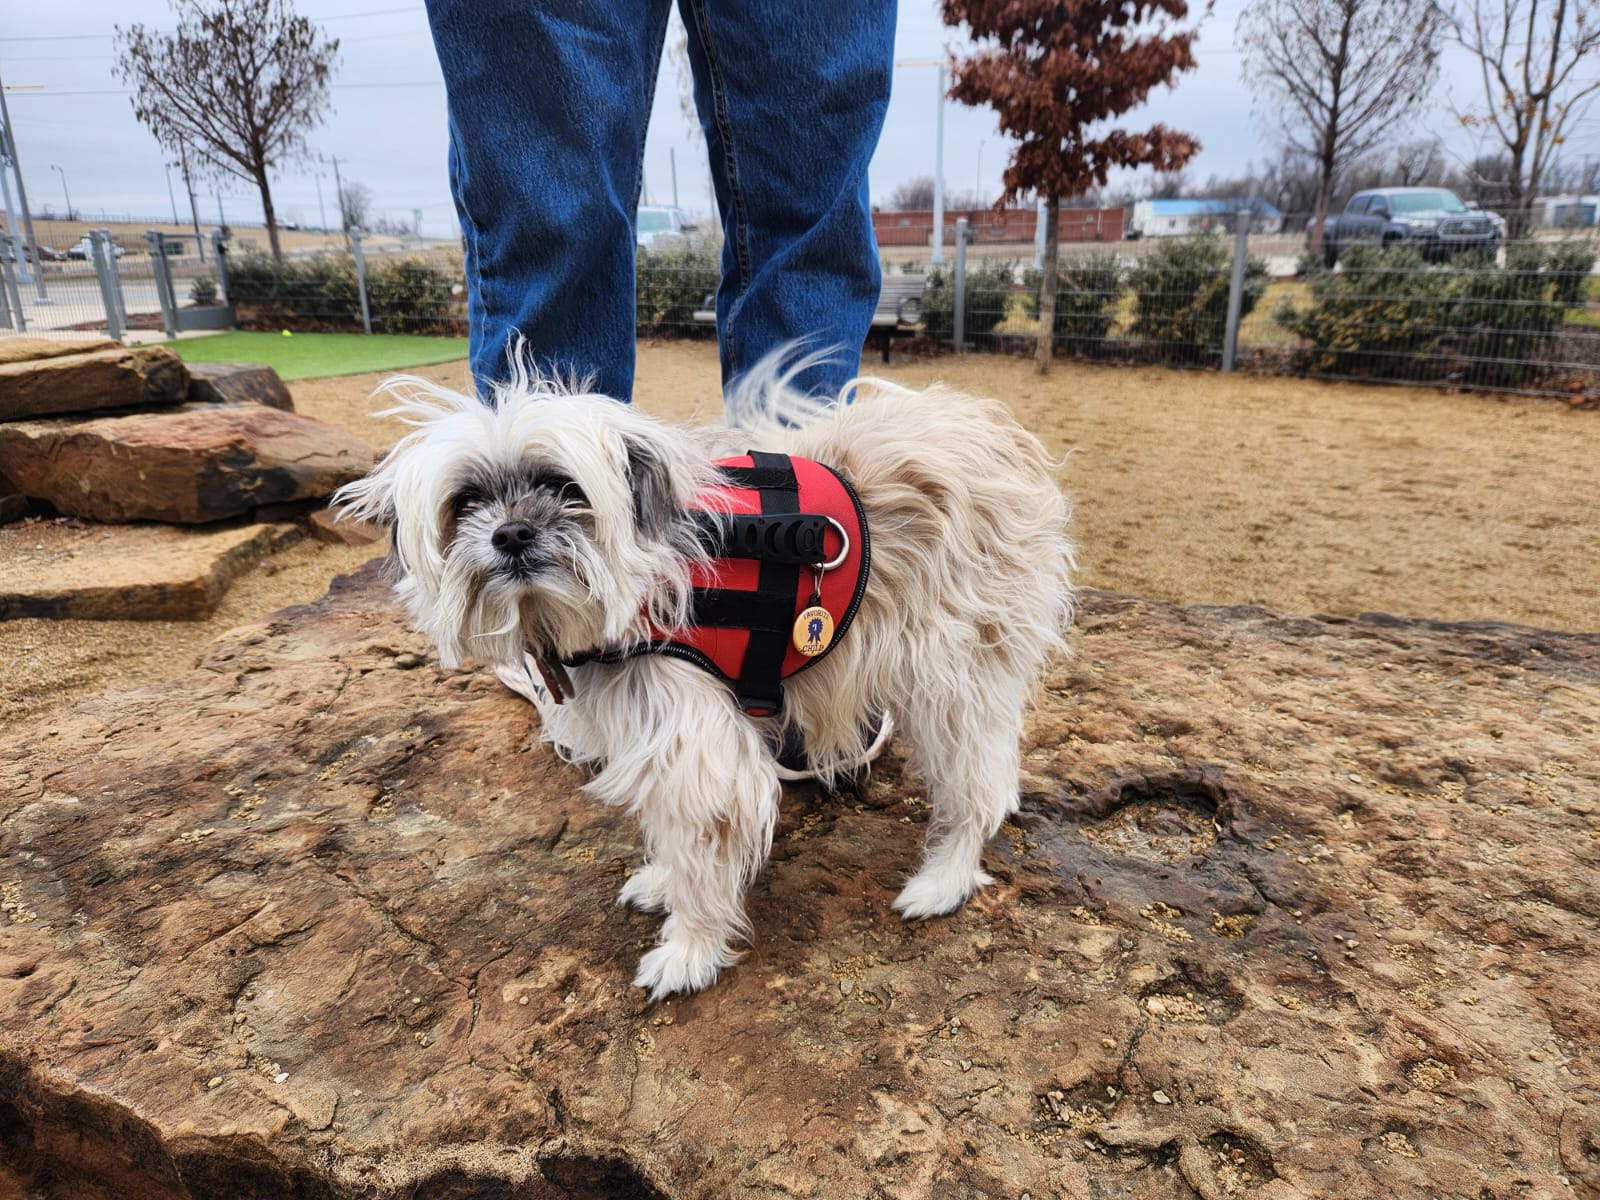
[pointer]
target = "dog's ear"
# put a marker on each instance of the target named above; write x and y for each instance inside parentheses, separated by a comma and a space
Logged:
(370, 498)
(650, 480)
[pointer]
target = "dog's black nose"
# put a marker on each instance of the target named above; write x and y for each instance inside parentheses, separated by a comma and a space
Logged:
(512, 538)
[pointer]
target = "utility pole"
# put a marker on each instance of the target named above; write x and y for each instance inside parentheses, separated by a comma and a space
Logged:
(194, 209)
(322, 212)
(172, 199)
(338, 188)
(10, 149)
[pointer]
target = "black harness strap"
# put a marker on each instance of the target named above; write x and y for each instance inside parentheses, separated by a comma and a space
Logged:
(760, 686)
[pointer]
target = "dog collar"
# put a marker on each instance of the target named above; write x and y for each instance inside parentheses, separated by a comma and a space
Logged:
(791, 558)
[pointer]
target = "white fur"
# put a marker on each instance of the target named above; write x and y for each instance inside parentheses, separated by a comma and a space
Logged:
(970, 592)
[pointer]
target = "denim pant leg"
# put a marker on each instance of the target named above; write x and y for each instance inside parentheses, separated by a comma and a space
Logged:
(792, 96)
(548, 103)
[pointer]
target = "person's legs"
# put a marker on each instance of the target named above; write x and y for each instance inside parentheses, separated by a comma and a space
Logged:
(548, 105)
(792, 97)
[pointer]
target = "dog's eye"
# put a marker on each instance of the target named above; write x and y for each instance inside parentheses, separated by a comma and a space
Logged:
(565, 490)
(465, 501)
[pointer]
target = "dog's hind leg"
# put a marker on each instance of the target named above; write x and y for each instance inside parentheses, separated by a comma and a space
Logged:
(966, 746)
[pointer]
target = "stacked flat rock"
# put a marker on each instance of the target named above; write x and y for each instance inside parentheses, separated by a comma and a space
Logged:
(1293, 908)
(97, 432)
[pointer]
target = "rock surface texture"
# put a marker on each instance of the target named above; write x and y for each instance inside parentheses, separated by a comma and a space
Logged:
(238, 383)
(187, 466)
(90, 382)
(1293, 908)
(78, 571)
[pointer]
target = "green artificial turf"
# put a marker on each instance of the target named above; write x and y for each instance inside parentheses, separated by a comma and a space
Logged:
(317, 355)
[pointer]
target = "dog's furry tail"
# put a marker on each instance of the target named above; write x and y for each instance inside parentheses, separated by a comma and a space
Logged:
(765, 398)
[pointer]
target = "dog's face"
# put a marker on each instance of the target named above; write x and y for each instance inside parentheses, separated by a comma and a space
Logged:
(552, 521)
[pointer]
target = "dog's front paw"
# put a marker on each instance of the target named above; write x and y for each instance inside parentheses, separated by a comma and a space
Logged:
(646, 889)
(681, 965)
(938, 889)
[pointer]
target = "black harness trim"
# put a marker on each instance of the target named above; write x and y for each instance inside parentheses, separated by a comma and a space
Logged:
(760, 684)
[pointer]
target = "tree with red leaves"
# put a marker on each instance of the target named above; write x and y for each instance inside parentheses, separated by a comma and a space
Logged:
(1057, 69)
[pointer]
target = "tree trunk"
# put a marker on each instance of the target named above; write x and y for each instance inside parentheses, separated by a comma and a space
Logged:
(1046, 342)
(271, 216)
(1517, 199)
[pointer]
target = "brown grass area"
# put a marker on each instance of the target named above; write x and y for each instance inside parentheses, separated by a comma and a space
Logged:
(1189, 486)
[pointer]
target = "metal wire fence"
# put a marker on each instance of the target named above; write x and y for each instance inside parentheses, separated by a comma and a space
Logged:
(1520, 316)
(1486, 314)
(112, 285)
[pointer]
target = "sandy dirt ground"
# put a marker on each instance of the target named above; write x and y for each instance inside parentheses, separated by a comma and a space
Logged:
(1188, 486)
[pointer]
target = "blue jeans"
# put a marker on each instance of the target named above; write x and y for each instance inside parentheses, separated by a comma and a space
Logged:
(548, 103)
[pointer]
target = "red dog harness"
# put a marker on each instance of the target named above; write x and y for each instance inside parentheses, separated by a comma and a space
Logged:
(790, 564)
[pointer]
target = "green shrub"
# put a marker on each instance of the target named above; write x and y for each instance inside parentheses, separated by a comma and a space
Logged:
(990, 285)
(671, 285)
(203, 291)
(1088, 291)
(412, 295)
(1181, 297)
(1389, 314)
(1381, 314)
(313, 293)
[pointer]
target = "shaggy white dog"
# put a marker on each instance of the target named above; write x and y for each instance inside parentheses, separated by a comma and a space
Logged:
(555, 523)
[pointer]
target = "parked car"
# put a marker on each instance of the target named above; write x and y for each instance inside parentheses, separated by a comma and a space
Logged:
(81, 251)
(1432, 220)
(40, 254)
(665, 228)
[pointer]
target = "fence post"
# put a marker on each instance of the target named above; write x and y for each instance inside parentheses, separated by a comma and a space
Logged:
(163, 280)
(116, 278)
(960, 315)
(219, 243)
(10, 297)
(110, 291)
(361, 279)
(1241, 245)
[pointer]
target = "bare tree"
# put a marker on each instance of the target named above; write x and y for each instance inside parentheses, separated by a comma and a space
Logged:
(1340, 75)
(1536, 61)
(1055, 73)
(914, 195)
(355, 205)
(238, 83)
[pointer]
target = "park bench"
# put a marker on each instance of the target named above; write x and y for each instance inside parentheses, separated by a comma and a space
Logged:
(898, 314)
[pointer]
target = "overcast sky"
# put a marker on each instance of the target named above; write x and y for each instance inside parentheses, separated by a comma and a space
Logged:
(388, 128)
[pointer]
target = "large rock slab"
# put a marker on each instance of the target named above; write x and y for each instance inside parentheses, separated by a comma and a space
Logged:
(123, 377)
(238, 383)
(20, 349)
(189, 466)
(127, 572)
(1293, 908)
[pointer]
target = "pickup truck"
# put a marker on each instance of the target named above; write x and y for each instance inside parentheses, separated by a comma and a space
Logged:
(1436, 222)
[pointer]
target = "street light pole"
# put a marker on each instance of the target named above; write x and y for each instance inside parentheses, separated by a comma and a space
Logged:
(22, 192)
(64, 191)
(938, 175)
(938, 153)
(171, 198)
